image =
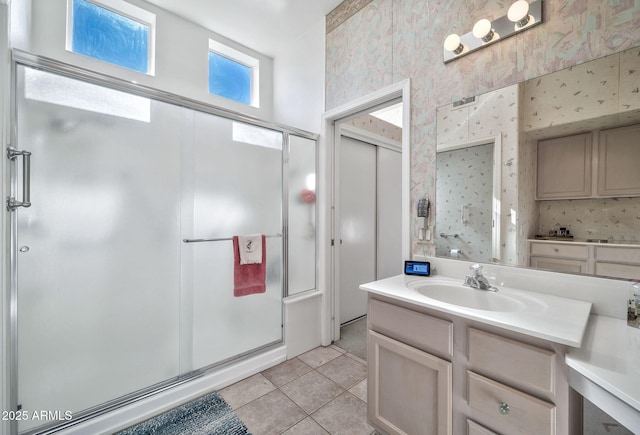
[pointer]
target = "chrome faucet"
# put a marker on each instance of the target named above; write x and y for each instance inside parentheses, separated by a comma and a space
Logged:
(477, 280)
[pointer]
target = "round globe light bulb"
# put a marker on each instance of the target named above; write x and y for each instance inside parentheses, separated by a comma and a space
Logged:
(482, 30)
(452, 43)
(519, 12)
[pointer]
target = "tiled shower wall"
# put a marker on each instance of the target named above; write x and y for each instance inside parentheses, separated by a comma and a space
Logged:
(389, 40)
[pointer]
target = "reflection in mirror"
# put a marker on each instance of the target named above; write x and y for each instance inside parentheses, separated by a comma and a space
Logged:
(465, 202)
(592, 229)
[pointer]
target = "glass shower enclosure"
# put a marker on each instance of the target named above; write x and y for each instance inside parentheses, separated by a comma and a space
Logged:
(123, 264)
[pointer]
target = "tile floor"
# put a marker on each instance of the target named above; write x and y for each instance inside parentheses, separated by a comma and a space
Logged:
(319, 392)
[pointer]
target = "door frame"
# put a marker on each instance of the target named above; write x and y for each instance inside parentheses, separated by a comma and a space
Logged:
(326, 187)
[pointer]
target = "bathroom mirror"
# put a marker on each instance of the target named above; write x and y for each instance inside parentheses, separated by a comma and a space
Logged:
(597, 95)
(467, 192)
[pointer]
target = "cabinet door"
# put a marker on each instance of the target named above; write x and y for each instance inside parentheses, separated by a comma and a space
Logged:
(564, 167)
(618, 158)
(409, 391)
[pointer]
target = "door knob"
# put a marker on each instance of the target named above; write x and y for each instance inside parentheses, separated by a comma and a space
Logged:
(503, 408)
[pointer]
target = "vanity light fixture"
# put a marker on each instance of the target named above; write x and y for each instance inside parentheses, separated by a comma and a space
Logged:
(483, 30)
(453, 44)
(519, 13)
(520, 16)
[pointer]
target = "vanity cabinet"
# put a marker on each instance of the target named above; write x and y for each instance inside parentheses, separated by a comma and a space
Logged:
(601, 259)
(564, 167)
(434, 373)
(402, 371)
(618, 157)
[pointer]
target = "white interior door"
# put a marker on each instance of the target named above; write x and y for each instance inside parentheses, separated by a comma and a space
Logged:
(389, 207)
(357, 225)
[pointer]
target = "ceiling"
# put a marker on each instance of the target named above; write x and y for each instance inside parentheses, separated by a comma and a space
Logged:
(262, 25)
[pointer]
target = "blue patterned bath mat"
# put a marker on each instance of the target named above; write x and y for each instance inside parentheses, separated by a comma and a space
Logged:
(208, 415)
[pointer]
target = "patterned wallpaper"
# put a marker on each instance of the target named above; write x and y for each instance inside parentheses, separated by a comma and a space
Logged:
(615, 219)
(465, 179)
(573, 98)
(390, 40)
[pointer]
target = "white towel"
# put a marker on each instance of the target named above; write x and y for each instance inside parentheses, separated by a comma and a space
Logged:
(250, 249)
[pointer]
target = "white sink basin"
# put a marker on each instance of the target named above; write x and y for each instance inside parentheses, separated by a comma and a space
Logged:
(457, 294)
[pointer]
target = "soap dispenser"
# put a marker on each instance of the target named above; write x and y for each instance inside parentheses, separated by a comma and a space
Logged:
(633, 305)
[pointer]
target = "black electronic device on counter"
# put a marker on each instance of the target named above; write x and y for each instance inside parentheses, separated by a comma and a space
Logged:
(419, 268)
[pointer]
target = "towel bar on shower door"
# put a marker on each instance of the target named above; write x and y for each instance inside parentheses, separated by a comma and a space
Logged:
(220, 239)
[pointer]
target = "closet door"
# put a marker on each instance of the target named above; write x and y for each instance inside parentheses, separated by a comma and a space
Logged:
(389, 207)
(357, 232)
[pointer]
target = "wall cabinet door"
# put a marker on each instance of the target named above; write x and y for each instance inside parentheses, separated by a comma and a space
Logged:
(564, 167)
(409, 391)
(618, 158)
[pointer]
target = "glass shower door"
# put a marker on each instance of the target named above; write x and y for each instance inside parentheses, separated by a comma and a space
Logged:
(237, 190)
(98, 251)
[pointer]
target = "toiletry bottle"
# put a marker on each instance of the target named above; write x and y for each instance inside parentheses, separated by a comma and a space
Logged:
(633, 305)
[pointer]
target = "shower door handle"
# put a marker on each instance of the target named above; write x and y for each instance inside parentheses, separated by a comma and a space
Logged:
(12, 203)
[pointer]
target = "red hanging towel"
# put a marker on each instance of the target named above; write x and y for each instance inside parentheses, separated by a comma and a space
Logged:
(248, 279)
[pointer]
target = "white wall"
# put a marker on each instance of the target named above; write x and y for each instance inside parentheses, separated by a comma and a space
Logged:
(299, 102)
(299, 80)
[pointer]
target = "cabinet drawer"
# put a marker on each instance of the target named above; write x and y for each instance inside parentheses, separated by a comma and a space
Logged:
(558, 264)
(615, 270)
(419, 330)
(618, 255)
(474, 428)
(510, 361)
(560, 250)
(510, 410)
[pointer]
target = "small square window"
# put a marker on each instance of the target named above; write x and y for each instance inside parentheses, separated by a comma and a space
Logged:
(233, 74)
(112, 31)
(229, 79)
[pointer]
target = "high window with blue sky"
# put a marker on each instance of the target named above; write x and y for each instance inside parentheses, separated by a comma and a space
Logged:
(112, 31)
(233, 74)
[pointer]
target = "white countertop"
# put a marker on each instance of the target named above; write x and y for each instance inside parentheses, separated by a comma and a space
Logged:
(610, 357)
(557, 319)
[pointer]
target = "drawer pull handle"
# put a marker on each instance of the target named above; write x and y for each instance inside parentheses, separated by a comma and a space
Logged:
(556, 250)
(503, 408)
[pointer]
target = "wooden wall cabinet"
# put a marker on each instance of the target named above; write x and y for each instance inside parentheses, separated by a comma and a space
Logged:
(619, 161)
(575, 167)
(564, 167)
